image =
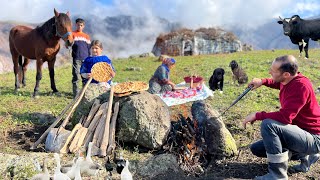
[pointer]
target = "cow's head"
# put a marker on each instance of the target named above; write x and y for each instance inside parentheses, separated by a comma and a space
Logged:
(295, 19)
(286, 25)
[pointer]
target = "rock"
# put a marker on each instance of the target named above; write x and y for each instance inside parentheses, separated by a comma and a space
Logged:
(133, 69)
(93, 91)
(134, 56)
(21, 167)
(156, 165)
(219, 140)
(148, 54)
(144, 119)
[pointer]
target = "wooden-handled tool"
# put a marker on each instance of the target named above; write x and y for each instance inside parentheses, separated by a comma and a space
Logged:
(105, 139)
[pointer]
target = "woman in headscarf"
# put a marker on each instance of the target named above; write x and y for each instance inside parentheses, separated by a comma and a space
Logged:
(160, 81)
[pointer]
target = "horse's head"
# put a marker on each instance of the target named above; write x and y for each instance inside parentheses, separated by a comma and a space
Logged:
(63, 27)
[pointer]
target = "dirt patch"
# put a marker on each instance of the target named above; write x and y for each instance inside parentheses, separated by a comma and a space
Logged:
(243, 166)
(21, 138)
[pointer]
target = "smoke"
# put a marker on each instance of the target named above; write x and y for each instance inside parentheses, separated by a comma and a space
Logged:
(243, 14)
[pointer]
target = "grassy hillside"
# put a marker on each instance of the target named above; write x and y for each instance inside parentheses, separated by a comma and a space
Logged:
(255, 63)
(21, 109)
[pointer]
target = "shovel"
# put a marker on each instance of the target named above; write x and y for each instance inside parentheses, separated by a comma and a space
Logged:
(100, 72)
(238, 99)
(57, 136)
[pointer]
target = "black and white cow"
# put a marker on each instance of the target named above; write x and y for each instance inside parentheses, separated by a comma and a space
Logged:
(301, 29)
(303, 43)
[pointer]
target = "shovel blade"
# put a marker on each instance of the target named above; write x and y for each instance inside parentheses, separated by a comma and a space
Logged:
(55, 142)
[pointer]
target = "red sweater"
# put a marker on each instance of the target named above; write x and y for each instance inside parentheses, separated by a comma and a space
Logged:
(299, 105)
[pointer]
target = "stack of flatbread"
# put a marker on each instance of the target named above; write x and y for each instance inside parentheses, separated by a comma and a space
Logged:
(126, 88)
(101, 72)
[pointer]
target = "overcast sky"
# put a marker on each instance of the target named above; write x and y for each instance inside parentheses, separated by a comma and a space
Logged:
(191, 13)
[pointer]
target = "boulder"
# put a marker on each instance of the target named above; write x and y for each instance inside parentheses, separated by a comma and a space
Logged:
(144, 119)
(148, 54)
(156, 165)
(219, 140)
(93, 91)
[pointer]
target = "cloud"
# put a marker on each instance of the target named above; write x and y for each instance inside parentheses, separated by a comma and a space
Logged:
(189, 12)
(193, 14)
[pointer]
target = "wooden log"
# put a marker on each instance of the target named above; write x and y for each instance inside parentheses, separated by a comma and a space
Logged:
(98, 129)
(101, 130)
(65, 148)
(93, 111)
(66, 120)
(112, 130)
(105, 138)
(94, 123)
(78, 139)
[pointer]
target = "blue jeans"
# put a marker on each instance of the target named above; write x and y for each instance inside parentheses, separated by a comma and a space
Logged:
(277, 136)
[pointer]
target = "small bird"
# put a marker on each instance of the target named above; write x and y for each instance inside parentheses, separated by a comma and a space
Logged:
(109, 166)
(77, 173)
(57, 173)
(125, 174)
(121, 163)
(87, 165)
(73, 170)
(45, 173)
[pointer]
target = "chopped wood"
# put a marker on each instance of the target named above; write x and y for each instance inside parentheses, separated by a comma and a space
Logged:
(95, 107)
(65, 148)
(78, 139)
(112, 130)
(99, 127)
(94, 123)
(105, 134)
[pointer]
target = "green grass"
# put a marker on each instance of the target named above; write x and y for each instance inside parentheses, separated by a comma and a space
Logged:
(20, 109)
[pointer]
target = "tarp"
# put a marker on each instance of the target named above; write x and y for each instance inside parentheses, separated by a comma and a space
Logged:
(176, 97)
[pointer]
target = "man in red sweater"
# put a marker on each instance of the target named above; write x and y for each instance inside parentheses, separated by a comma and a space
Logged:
(295, 128)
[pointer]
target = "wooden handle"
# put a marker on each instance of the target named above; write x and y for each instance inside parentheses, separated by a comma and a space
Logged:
(65, 121)
(112, 130)
(105, 139)
(65, 148)
(53, 124)
(93, 110)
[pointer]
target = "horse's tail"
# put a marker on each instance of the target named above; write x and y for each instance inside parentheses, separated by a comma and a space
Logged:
(20, 68)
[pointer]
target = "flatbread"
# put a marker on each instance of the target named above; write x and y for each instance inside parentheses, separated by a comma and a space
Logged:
(101, 72)
(122, 94)
(131, 86)
(139, 86)
(123, 87)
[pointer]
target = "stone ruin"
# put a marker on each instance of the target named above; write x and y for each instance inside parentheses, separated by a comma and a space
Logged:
(186, 42)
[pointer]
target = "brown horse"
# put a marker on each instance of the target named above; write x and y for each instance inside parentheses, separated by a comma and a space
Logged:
(42, 44)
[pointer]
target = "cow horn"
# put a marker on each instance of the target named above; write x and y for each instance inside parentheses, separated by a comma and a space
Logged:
(280, 18)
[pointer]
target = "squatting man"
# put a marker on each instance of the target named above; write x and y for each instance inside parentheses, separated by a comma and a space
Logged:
(293, 132)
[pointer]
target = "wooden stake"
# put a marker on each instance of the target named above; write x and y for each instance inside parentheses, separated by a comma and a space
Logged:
(105, 139)
(112, 130)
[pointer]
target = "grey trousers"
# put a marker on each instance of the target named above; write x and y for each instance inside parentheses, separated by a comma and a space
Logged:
(156, 88)
(277, 136)
(76, 77)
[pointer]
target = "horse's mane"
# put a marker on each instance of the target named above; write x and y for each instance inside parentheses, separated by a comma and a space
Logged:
(48, 29)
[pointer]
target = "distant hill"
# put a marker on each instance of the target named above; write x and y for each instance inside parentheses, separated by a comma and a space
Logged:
(123, 36)
(267, 36)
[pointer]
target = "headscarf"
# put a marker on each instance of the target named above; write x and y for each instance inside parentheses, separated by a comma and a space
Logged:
(168, 61)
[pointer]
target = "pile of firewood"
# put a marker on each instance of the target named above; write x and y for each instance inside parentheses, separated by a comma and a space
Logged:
(98, 127)
(186, 142)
